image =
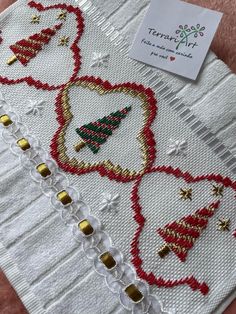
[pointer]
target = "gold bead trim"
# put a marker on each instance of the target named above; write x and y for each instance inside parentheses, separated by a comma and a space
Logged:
(108, 260)
(64, 198)
(5, 120)
(133, 293)
(43, 170)
(86, 227)
(23, 144)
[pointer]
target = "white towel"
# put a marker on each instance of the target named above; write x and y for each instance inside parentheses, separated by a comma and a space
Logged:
(52, 264)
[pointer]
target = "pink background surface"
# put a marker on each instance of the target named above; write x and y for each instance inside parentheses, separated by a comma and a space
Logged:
(224, 46)
(224, 43)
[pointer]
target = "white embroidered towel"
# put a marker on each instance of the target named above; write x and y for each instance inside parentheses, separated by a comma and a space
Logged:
(144, 162)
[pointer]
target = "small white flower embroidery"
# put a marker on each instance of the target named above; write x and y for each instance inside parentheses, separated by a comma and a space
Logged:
(100, 59)
(177, 147)
(35, 107)
(109, 202)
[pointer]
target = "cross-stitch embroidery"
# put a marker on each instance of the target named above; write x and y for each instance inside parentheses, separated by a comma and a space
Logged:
(29, 79)
(26, 49)
(94, 134)
(105, 167)
(181, 235)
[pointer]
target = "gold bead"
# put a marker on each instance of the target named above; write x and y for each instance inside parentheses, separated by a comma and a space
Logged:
(85, 227)
(133, 293)
(108, 260)
(64, 198)
(23, 144)
(164, 250)
(5, 120)
(43, 170)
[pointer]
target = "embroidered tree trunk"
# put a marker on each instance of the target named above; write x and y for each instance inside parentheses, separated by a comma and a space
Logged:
(26, 49)
(96, 133)
(181, 235)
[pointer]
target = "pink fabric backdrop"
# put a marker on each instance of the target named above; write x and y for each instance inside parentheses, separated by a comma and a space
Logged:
(224, 44)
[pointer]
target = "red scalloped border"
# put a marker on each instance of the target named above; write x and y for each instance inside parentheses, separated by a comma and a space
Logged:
(146, 130)
(74, 48)
(191, 281)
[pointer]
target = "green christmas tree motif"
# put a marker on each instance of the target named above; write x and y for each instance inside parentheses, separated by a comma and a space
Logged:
(189, 31)
(94, 134)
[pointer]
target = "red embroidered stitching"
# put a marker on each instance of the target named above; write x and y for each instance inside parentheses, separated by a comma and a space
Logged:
(26, 49)
(95, 136)
(140, 219)
(180, 236)
(64, 119)
(74, 48)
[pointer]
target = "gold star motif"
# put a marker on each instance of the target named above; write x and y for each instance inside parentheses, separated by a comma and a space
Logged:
(35, 19)
(223, 224)
(217, 190)
(62, 15)
(186, 194)
(63, 41)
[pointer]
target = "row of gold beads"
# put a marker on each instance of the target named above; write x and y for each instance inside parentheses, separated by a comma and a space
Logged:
(85, 226)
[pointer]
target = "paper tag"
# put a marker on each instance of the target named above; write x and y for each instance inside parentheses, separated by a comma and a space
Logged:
(175, 36)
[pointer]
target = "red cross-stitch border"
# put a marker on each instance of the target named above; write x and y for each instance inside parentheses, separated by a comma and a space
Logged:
(64, 116)
(74, 48)
(191, 281)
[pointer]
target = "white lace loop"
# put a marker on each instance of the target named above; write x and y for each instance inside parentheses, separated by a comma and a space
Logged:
(122, 274)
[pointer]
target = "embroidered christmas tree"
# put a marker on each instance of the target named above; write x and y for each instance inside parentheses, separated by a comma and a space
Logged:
(180, 236)
(26, 49)
(94, 134)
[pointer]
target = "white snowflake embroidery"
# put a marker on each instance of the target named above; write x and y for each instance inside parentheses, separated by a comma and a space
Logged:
(177, 147)
(100, 59)
(35, 107)
(109, 202)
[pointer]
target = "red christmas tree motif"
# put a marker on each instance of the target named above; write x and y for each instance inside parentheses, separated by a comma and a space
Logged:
(26, 49)
(181, 235)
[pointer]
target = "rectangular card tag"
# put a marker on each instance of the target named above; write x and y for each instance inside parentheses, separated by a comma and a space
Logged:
(175, 36)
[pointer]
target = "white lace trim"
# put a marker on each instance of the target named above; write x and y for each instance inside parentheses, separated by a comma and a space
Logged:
(123, 274)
